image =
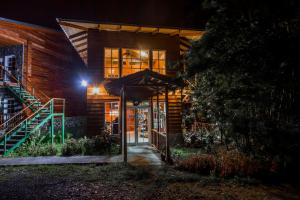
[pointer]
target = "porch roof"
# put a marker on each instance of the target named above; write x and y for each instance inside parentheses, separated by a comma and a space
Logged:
(142, 85)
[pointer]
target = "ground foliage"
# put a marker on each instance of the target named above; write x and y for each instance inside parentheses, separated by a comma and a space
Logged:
(244, 76)
(118, 181)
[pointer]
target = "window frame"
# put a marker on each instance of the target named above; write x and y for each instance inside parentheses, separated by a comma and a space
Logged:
(135, 70)
(158, 60)
(111, 63)
(111, 115)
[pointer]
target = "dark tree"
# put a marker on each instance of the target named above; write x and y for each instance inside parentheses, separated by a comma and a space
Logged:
(245, 75)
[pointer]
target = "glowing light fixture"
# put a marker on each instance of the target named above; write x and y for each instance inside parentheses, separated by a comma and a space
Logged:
(96, 90)
(144, 54)
(84, 83)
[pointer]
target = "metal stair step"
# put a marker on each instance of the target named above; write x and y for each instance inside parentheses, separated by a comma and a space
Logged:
(17, 136)
(12, 141)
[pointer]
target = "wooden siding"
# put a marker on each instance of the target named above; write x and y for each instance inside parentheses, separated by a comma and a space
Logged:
(97, 41)
(50, 63)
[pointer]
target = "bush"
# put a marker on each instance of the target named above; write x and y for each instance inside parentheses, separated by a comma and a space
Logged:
(86, 146)
(73, 147)
(230, 164)
(36, 150)
(234, 163)
(203, 164)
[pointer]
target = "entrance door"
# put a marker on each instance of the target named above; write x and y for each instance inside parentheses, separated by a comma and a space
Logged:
(138, 124)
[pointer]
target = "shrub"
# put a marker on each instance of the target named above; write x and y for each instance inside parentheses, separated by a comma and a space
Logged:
(203, 164)
(230, 164)
(234, 163)
(86, 146)
(72, 147)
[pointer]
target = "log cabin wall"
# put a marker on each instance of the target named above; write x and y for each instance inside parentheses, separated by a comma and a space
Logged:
(97, 41)
(50, 63)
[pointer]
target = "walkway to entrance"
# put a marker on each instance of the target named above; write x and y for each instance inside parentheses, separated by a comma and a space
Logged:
(143, 155)
(137, 156)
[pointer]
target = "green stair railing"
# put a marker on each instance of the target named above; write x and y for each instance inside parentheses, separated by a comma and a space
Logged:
(21, 90)
(39, 110)
(54, 108)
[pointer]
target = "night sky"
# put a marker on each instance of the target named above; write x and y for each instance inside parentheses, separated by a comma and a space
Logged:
(176, 13)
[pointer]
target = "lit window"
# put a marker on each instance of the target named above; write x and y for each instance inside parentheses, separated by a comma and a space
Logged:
(162, 116)
(134, 61)
(112, 116)
(111, 63)
(159, 61)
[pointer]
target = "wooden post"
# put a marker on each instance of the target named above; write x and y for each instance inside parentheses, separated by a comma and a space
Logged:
(167, 124)
(120, 122)
(157, 108)
(151, 120)
(124, 128)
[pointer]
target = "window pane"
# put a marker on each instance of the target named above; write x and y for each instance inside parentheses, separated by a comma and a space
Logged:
(107, 62)
(134, 61)
(159, 61)
(162, 55)
(115, 53)
(107, 53)
(155, 54)
(111, 63)
(112, 116)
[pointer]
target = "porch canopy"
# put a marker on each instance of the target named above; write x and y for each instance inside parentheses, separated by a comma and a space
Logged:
(138, 87)
(142, 85)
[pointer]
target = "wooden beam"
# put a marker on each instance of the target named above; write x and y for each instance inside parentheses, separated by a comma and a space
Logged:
(138, 29)
(73, 26)
(79, 39)
(82, 50)
(80, 45)
(77, 34)
(155, 31)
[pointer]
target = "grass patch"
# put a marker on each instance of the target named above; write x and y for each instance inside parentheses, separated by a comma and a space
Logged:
(180, 153)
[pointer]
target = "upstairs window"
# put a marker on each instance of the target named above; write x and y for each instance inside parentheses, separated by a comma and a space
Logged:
(111, 63)
(159, 61)
(134, 60)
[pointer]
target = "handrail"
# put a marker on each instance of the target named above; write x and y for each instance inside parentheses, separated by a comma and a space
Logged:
(28, 84)
(10, 119)
(51, 102)
(36, 112)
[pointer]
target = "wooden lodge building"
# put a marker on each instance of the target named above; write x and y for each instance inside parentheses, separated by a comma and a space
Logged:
(127, 74)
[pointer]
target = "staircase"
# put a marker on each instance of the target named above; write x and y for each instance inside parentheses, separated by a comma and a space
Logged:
(39, 111)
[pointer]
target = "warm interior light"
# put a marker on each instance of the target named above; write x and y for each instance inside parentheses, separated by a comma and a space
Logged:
(144, 54)
(84, 83)
(96, 90)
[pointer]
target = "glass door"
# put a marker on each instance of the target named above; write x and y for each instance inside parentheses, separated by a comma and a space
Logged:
(138, 124)
(143, 125)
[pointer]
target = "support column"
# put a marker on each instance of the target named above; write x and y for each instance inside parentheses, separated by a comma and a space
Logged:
(167, 124)
(158, 118)
(52, 122)
(63, 128)
(151, 120)
(120, 123)
(124, 128)
(157, 107)
(52, 130)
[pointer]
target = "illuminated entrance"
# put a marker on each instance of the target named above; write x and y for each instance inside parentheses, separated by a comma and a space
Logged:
(138, 123)
(142, 121)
